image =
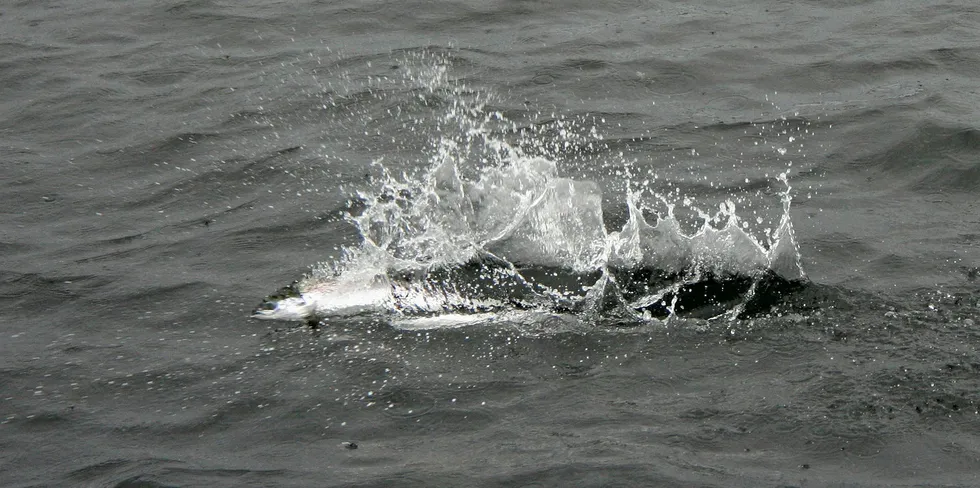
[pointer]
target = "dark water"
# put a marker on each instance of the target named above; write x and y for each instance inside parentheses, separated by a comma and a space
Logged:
(166, 165)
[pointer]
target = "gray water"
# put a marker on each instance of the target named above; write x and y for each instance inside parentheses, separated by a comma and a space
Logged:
(166, 165)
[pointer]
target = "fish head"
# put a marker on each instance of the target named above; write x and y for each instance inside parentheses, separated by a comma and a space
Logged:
(310, 301)
(289, 304)
(294, 309)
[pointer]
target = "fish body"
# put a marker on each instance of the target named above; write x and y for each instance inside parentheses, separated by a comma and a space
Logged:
(489, 284)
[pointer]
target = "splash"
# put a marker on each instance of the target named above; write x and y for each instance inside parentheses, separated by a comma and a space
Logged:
(490, 224)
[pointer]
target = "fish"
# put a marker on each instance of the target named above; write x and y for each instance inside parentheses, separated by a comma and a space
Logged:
(488, 284)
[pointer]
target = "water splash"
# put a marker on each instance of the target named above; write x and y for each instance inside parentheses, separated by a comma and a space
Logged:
(489, 223)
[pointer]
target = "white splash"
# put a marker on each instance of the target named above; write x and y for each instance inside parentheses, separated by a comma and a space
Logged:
(484, 197)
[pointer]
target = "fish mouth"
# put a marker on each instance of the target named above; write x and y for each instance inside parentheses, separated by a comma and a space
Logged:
(264, 311)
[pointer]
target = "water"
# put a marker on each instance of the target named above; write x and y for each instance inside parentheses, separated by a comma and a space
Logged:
(167, 166)
(489, 224)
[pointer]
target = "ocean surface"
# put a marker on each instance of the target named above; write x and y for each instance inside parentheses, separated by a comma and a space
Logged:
(165, 166)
